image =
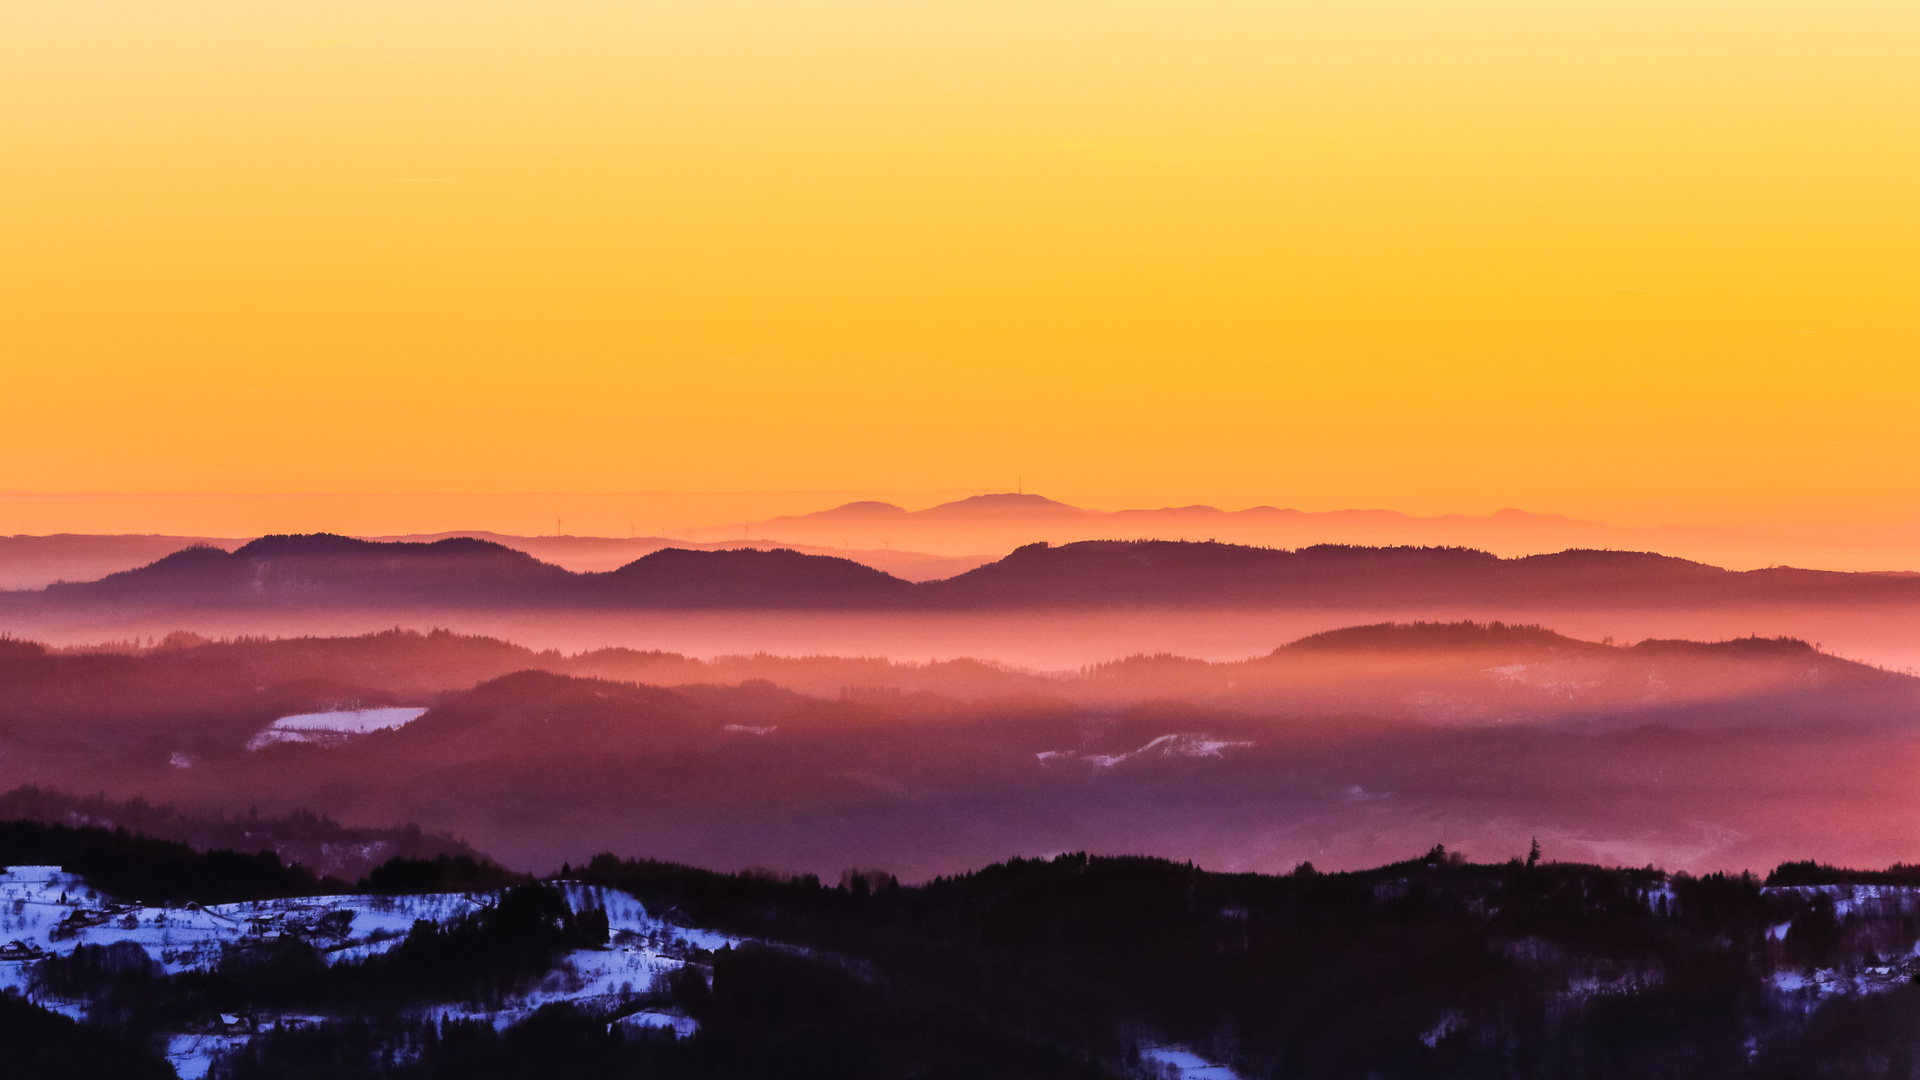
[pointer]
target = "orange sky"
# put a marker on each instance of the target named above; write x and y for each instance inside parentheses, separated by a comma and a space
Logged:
(1640, 260)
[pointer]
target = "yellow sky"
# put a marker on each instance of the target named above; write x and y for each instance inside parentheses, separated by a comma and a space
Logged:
(1646, 260)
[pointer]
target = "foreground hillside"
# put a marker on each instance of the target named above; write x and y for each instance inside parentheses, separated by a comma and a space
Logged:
(1072, 966)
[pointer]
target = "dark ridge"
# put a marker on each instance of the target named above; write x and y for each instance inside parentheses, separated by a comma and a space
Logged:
(1635, 561)
(750, 578)
(187, 558)
(442, 874)
(865, 508)
(464, 572)
(316, 545)
(312, 840)
(1746, 647)
(1069, 966)
(134, 867)
(12, 648)
(326, 569)
(998, 505)
(750, 901)
(1810, 872)
(1437, 637)
(1203, 573)
(534, 714)
(1147, 664)
(1163, 573)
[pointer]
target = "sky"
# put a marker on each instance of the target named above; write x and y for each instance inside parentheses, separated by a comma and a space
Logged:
(1637, 260)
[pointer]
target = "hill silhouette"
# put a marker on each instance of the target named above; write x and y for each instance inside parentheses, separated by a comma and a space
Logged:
(679, 578)
(941, 540)
(1163, 573)
(322, 569)
(334, 571)
(990, 525)
(1001, 506)
(1495, 637)
(315, 841)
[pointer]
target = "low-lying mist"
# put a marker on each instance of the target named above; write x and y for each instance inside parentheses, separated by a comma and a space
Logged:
(1044, 640)
(1342, 749)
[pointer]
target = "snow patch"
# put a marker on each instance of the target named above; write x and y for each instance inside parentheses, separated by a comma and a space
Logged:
(1448, 1023)
(192, 1055)
(45, 911)
(1166, 746)
(1180, 1063)
(328, 728)
(681, 1026)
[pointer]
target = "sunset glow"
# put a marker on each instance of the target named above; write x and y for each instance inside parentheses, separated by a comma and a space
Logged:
(1646, 262)
(990, 540)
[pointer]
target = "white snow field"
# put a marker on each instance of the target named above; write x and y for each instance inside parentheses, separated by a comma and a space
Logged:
(1180, 1063)
(331, 728)
(45, 911)
(1189, 745)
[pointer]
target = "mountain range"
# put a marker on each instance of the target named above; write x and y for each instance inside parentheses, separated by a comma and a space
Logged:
(320, 571)
(34, 562)
(996, 524)
(949, 538)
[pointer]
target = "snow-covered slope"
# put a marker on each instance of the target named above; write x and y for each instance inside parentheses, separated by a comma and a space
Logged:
(46, 911)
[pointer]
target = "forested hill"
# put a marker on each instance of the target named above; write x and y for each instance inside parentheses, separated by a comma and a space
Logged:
(1432, 967)
(321, 845)
(1070, 966)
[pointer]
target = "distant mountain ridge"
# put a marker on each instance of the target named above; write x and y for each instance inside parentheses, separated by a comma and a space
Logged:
(324, 571)
(1161, 573)
(999, 523)
(949, 538)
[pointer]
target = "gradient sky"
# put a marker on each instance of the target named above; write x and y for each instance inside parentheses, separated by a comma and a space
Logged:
(1646, 260)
